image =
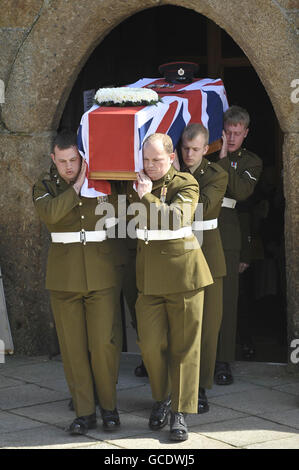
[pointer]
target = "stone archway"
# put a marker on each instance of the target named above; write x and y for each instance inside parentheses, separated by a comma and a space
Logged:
(59, 41)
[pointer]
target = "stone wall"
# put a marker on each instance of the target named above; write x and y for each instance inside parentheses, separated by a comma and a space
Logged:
(44, 44)
(291, 192)
(24, 242)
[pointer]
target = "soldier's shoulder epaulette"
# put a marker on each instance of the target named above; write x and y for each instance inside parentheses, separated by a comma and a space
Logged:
(213, 157)
(215, 167)
(181, 175)
(45, 176)
(45, 181)
(250, 154)
(185, 177)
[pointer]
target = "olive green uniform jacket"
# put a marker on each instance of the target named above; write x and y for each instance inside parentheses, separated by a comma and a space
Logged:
(212, 180)
(72, 267)
(244, 169)
(171, 266)
(82, 279)
(171, 275)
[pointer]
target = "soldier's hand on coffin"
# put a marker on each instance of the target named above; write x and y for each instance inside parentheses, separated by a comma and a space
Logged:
(145, 184)
(223, 151)
(81, 177)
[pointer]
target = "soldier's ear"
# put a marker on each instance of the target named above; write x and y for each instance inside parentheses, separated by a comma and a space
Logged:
(171, 156)
(206, 148)
(53, 157)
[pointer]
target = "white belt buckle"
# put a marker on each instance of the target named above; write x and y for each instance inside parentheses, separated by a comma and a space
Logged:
(83, 237)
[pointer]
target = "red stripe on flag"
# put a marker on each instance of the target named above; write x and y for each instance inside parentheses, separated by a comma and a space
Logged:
(167, 119)
(194, 101)
(194, 105)
(219, 82)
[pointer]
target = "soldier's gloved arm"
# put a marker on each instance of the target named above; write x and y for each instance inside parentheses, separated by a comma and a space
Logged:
(179, 213)
(51, 209)
(241, 183)
(211, 194)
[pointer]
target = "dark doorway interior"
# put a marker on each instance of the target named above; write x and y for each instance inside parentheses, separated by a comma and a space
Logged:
(134, 50)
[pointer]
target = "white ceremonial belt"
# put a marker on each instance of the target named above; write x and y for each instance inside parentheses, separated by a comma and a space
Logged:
(79, 237)
(228, 202)
(148, 235)
(205, 224)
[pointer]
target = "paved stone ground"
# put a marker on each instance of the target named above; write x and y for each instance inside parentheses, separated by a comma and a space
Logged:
(260, 410)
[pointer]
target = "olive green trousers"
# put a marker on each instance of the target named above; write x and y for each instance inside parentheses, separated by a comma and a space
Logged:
(88, 327)
(228, 329)
(169, 331)
(212, 315)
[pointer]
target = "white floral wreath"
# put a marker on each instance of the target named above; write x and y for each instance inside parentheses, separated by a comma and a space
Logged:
(126, 96)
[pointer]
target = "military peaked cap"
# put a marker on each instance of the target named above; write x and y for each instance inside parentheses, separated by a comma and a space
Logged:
(178, 72)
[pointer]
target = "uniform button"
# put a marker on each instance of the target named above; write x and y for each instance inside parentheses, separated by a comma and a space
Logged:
(130, 195)
(80, 203)
(82, 217)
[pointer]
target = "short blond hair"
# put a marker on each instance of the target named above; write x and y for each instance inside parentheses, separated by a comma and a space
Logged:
(236, 115)
(193, 130)
(164, 138)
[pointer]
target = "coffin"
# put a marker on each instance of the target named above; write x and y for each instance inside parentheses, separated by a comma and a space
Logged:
(110, 138)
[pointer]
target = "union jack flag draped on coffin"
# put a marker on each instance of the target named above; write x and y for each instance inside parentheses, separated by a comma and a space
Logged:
(111, 138)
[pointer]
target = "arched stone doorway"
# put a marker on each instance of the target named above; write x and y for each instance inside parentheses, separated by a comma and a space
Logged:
(56, 47)
(120, 59)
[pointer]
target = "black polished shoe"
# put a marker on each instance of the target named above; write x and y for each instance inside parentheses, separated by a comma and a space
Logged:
(223, 374)
(203, 405)
(159, 414)
(178, 427)
(141, 371)
(82, 424)
(110, 419)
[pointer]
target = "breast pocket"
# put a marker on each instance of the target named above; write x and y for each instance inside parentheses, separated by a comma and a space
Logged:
(70, 222)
